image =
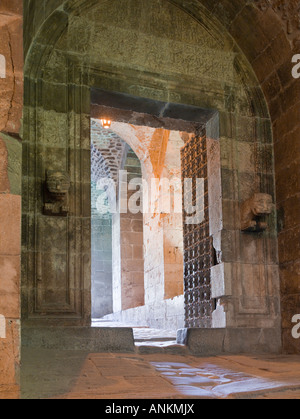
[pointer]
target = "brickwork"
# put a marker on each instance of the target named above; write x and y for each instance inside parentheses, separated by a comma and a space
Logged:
(107, 152)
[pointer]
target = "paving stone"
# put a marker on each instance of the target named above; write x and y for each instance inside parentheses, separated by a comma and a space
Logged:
(81, 375)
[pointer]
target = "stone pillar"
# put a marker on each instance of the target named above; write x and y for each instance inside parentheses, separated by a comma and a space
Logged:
(132, 260)
(172, 221)
(128, 241)
(11, 102)
(101, 253)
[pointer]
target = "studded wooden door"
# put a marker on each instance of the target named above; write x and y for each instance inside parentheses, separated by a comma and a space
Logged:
(198, 246)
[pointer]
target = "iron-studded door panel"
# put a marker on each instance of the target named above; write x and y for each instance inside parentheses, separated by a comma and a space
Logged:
(198, 246)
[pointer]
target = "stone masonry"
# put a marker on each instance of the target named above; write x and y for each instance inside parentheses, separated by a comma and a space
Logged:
(232, 56)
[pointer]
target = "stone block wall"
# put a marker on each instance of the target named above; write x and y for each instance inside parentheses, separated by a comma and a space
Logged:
(11, 102)
(10, 250)
(271, 59)
(107, 152)
(270, 49)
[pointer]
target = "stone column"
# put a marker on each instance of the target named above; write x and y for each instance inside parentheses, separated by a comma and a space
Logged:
(11, 102)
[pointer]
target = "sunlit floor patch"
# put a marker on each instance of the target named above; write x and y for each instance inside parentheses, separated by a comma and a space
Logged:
(209, 380)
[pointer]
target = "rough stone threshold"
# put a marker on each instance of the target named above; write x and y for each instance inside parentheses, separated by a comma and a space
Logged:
(106, 336)
(148, 340)
(202, 342)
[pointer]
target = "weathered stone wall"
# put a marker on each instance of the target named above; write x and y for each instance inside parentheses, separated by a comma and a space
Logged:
(11, 90)
(11, 25)
(269, 40)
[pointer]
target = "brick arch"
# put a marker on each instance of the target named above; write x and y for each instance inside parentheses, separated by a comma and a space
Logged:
(107, 152)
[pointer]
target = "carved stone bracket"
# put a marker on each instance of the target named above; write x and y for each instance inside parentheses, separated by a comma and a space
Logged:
(56, 193)
(253, 212)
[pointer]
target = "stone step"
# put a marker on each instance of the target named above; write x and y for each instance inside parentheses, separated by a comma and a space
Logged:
(152, 348)
(91, 339)
(155, 339)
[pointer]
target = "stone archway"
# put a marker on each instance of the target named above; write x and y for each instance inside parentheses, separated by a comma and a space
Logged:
(199, 66)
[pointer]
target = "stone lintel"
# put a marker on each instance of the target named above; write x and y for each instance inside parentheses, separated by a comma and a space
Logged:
(147, 112)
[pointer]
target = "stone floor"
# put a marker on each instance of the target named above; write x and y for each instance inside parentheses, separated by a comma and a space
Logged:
(159, 369)
(52, 374)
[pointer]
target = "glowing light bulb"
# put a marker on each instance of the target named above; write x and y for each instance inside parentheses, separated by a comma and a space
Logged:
(106, 123)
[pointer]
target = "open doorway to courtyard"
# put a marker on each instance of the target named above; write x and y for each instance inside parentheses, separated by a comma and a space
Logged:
(117, 238)
(152, 247)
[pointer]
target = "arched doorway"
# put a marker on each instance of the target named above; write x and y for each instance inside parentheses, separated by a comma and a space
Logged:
(193, 65)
